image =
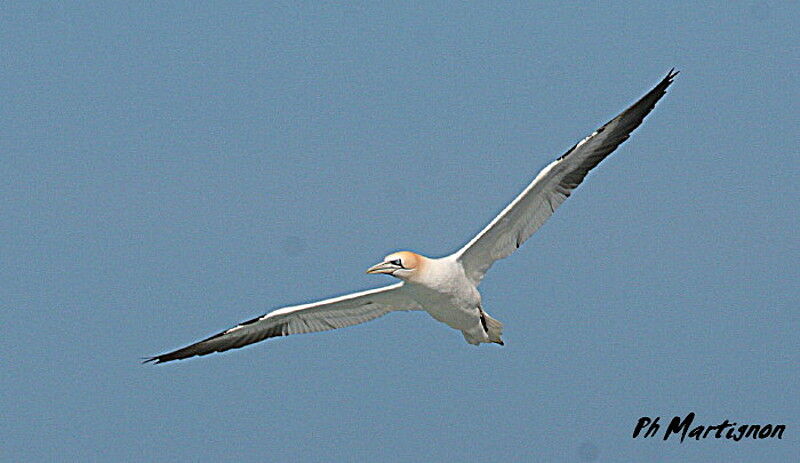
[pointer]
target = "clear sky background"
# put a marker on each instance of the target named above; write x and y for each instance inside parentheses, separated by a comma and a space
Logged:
(170, 170)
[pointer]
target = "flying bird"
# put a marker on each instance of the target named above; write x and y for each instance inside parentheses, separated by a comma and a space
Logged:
(447, 287)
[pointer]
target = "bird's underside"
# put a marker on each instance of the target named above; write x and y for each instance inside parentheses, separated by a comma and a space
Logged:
(447, 287)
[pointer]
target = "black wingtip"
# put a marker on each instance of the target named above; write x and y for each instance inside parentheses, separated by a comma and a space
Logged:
(671, 74)
(662, 86)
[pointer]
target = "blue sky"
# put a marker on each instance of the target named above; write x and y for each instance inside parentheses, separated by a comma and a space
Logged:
(169, 170)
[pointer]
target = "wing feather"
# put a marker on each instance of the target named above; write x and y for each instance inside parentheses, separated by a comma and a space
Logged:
(329, 314)
(551, 187)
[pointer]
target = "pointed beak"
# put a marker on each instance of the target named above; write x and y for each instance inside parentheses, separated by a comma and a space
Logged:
(383, 267)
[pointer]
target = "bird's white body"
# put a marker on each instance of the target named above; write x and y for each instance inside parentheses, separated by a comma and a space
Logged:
(444, 291)
(446, 288)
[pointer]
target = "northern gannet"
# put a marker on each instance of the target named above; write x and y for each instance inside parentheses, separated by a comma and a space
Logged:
(447, 287)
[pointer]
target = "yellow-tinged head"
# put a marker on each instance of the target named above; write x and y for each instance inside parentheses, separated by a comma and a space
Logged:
(403, 264)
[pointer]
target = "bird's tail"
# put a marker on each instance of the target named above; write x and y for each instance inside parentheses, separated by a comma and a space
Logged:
(494, 329)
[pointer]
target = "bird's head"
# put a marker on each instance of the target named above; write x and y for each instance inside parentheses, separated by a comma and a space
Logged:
(403, 265)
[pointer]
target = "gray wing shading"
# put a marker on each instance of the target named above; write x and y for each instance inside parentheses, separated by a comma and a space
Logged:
(329, 314)
(520, 219)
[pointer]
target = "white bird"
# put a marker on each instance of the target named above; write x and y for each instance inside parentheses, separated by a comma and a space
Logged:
(446, 288)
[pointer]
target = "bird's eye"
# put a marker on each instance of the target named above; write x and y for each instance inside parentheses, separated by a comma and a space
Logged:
(396, 262)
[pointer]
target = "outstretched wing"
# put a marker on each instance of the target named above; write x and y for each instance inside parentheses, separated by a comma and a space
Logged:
(329, 314)
(520, 219)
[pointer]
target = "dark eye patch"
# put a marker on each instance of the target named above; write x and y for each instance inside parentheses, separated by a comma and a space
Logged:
(396, 262)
